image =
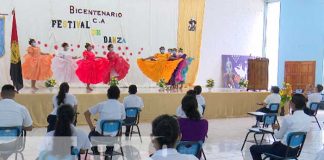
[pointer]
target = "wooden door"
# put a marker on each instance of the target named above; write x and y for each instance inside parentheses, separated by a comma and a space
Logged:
(300, 73)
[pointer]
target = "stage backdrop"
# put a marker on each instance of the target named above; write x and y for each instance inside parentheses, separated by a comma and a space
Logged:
(136, 29)
(2, 25)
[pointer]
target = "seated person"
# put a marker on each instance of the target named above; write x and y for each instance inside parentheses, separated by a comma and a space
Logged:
(274, 97)
(12, 114)
(315, 97)
(63, 97)
(58, 143)
(200, 98)
(132, 100)
(111, 109)
(165, 134)
(193, 128)
(181, 114)
(298, 122)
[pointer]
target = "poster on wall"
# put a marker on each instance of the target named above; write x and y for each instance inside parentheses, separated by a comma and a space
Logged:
(234, 69)
(2, 43)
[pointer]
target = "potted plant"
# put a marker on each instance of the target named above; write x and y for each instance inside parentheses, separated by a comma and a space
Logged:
(286, 95)
(113, 81)
(161, 84)
(50, 83)
(210, 84)
(243, 83)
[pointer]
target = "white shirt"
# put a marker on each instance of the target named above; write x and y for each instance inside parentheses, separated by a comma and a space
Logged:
(298, 122)
(108, 110)
(133, 100)
(69, 99)
(314, 98)
(180, 113)
(272, 98)
(201, 100)
(80, 140)
(171, 154)
(320, 155)
(13, 114)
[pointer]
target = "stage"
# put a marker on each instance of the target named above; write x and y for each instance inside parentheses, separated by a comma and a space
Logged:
(220, 103)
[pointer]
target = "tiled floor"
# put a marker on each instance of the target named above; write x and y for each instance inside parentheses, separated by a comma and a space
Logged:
(224, 141)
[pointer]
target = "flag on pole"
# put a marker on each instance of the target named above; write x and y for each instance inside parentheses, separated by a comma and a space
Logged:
(15, 62)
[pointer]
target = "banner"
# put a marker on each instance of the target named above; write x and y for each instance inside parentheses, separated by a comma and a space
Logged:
(191, 17)
(136, 29)
(234, 68)
(2, 34)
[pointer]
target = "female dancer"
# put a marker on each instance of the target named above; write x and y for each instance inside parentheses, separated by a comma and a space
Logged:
(160, 66)
(37, 65)
(118, 66)
(90, 69)
(64, 66)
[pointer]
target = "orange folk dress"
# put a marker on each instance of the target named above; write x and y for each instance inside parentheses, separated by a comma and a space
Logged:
(36, 66)
(162, 68)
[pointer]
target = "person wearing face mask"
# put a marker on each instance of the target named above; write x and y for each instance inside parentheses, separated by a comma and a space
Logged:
(64, 66)
(37, 65)
(91, 68)
(160, 66)
(118, 66)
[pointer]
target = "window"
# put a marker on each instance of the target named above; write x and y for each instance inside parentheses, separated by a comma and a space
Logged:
(271, 39)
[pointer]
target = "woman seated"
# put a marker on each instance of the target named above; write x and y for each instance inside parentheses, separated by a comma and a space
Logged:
(59, 143)
(193, 128)
(165, 133)
(63, 97)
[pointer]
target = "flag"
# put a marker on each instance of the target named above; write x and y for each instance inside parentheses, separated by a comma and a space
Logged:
(15, 62)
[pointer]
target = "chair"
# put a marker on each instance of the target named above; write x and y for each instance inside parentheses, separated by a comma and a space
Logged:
(313, 109)
(294, 140)
(132, 119)
(75, 154)
(13, 140)
(109, 128)
(191, 147)
(268, 120)
(274, 108)
(204, 108)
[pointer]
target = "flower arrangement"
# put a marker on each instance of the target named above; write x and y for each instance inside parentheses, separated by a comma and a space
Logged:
(161, 83)
(243, 83)
(50, 83)
(285, 93)
(113, 81)
(210, 83)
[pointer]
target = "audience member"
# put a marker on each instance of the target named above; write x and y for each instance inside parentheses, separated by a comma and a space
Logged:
(180, 113)
(58, 143)
(315, 97)
(193, 128)
(200, 99)
(12, 114)
(111, 109)
(132, 100)
(166, 133)
(298, 122)
(274, 97)
(63, 97)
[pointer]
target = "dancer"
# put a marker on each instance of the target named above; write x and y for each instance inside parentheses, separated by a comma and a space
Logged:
(179, 75)
(160, 66)
(118, 66)
(64, 66)
(90, 69)
(37, 65)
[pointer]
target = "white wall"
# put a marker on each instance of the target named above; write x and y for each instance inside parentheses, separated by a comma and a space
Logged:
(230, 27)
(146, 24)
